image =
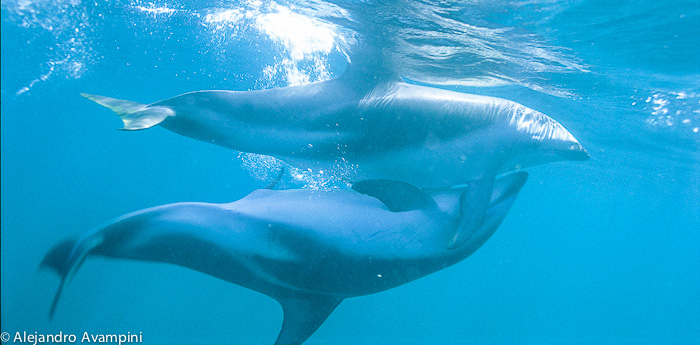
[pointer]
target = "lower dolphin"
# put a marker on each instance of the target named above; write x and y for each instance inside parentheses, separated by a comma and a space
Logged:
(307, 249)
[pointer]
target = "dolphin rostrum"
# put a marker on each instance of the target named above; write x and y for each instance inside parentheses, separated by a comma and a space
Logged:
(385, 129)
(307, 249)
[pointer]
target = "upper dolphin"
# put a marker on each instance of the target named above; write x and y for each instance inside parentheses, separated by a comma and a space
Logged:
(379, 128)
(308, 249)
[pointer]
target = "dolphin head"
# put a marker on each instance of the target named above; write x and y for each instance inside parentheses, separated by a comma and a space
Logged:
(570, 150)
(557, 144)
(546, 140)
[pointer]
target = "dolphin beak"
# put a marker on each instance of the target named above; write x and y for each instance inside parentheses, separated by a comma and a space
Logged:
(575, 152)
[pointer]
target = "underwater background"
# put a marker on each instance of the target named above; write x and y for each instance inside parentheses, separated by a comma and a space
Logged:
(605, 251)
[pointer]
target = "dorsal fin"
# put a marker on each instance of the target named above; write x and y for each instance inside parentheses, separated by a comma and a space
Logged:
(396, 195)
(303, 315)
(508, 186)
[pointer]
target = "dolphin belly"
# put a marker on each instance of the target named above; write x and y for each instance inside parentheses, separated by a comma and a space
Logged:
(359, 237)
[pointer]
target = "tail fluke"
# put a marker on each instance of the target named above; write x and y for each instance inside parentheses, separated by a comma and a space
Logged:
(135, 115)
(65, 258)
(57, 258)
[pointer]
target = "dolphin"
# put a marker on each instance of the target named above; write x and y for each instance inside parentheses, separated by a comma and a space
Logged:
(373, 129)
(370, 127)
(307, 249)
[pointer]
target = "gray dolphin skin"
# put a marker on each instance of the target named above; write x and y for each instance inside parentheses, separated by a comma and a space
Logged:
(307, 249)
(385, 129)
(372, 128)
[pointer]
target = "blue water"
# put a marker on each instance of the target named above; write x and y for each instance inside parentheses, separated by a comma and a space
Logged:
(599, 252)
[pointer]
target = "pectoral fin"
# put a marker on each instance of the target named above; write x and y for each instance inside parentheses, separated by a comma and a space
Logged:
(473, 202)
(507, 187)
(303, 315)
(276, 180)
(505, 191)
(135, 116)
(479, 223)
